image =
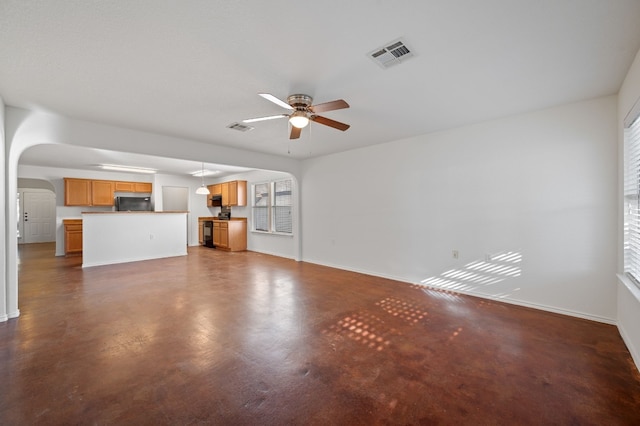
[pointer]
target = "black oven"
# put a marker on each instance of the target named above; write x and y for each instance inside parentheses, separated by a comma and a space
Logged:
(207, 233)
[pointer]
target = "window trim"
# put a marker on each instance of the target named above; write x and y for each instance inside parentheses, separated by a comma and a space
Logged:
(631, 195)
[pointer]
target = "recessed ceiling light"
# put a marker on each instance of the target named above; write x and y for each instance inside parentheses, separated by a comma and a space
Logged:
(118, 168)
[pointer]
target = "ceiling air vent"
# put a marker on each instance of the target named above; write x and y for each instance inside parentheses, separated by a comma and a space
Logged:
(240, 127)
(392, 54)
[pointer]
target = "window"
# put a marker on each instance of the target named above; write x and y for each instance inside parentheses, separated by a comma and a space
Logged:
(261, 207)
(632, 200)
(272, 207)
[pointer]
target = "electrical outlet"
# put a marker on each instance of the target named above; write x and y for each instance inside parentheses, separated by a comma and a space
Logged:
(455, 254)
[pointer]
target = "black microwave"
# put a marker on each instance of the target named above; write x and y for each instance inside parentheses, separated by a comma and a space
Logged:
(216, 200)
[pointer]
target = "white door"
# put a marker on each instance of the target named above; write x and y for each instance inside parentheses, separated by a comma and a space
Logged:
(39, 217)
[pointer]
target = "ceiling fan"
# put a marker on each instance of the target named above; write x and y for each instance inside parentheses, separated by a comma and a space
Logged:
(302, 112)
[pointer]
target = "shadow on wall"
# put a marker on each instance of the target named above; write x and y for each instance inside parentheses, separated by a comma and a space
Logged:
(480, 273)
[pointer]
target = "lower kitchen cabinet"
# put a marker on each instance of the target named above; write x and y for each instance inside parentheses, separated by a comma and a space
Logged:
(72, 236)
(230, 235)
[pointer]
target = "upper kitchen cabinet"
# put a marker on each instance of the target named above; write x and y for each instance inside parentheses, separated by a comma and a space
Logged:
(102, 193)
(234, 193)
(89, 192)
(215, 189)
(133, 186)
(86, 192)
(142, 187)
(77, 192)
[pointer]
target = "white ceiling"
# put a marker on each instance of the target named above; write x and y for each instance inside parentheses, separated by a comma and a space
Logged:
(191, 68)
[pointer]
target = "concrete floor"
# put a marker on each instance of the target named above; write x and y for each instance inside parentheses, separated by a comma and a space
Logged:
(245, 339)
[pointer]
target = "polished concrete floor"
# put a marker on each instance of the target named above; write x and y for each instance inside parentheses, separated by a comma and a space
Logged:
(250, 339)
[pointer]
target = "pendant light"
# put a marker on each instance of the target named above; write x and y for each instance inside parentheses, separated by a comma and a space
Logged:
(202, 190)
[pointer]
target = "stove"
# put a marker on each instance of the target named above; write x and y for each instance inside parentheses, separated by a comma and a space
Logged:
(225, 214)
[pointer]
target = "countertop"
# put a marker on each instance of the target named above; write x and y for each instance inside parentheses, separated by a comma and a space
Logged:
(243, 219)
(138, 212)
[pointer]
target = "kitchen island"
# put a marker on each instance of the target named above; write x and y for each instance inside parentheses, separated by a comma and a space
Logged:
(118, 237)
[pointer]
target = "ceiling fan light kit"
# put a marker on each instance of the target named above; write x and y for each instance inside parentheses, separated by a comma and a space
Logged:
(302, 112)
(299, 119)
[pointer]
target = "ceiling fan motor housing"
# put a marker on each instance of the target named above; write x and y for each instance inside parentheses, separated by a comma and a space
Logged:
(300, 102)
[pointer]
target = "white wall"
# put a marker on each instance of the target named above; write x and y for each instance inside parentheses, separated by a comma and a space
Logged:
(3, 218)
(628, 312)
(541, 184)
(197, 203)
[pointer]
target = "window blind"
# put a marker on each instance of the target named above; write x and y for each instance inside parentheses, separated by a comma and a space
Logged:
(261, 207)
(282, 206)
(632, 201)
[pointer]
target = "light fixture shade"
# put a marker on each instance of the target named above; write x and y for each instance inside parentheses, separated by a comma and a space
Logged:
(202, 190)
(299, 119)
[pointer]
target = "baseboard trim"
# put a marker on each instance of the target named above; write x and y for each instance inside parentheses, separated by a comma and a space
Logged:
(627, 337)
(272, 254)
(4, 318)
(532, 305)
(14, 314)
(516, 302)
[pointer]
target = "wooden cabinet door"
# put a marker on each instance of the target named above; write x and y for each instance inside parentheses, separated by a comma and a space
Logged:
(101, 193)
(216, 189)
(77, 192)
(124, 186)
(200, 232)
(225, 193)
(216, 233)
(73, 239)
(143, 187)
(241, 193)
(233, 193)
(237, 235)
(224, 235)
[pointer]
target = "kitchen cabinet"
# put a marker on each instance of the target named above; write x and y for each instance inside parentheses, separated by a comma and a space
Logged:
(230, 235)
(215, 189)
(142, 187)
(218, 229)
(237, 193)
(86, 192)
(133, 186)
(124, 186)
(72, 236)
(77, 192)
(93, 192)
(102, 193)
(225, 193)
(234, 193)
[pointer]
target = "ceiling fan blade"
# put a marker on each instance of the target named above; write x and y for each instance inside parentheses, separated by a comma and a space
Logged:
(270, 117)
(329, 122)
(329, 106)
(295, 132)
(275, 100)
